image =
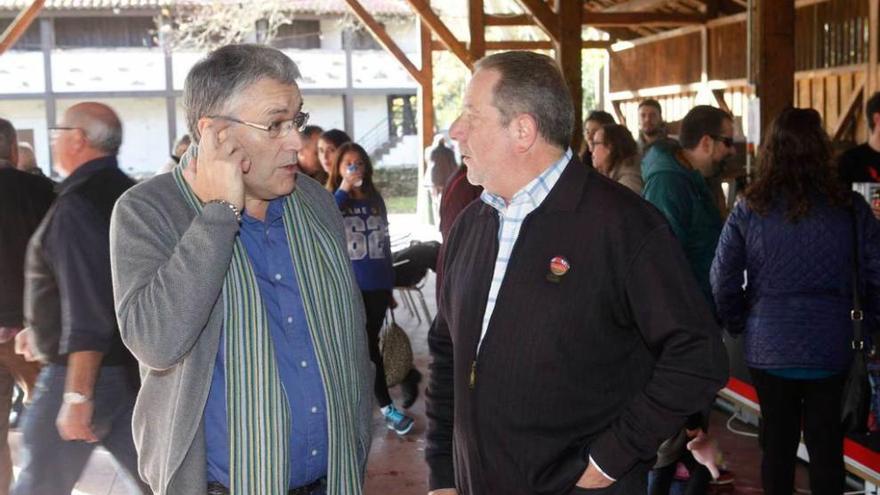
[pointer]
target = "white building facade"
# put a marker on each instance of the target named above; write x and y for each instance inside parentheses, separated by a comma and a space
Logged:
(108, 51)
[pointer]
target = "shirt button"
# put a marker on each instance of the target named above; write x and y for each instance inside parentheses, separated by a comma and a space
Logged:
(314, 409)
(314, 453)
(277, 276)
(303, 364)
(289, 319)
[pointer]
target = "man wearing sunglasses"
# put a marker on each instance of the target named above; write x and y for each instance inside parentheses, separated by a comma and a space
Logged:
(235, 293)
(675, 182)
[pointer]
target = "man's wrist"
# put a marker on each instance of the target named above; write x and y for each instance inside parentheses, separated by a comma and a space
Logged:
(235, 210)
(76, 398)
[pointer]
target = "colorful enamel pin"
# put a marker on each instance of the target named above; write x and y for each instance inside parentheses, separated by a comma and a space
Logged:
(559, 266)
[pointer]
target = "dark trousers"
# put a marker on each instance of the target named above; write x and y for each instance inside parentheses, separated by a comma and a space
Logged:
(376, 304)
(785, 404)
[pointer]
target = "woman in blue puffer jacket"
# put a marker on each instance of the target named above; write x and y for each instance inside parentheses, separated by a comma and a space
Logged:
(782, 277)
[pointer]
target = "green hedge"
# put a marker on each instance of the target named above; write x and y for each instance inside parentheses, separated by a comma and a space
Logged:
(396, 182)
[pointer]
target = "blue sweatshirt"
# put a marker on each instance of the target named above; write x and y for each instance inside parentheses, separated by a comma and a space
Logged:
(366, 231)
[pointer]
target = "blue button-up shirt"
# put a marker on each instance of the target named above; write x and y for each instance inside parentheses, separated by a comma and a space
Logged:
(267, 247)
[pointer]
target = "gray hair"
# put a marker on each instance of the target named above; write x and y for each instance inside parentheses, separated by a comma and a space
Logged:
(532, 83)
(99, 123)
(8, 140)
(218, 78)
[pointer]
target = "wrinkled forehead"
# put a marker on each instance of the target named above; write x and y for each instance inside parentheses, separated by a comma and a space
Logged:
(266, 98)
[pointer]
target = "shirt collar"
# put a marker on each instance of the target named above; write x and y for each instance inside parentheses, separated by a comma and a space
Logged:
(85, 171)
(274, 213)
(535, 192)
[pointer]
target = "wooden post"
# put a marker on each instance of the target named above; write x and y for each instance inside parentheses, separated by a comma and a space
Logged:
(568, 55)
(873, 48)
(20, 25)
(477, 25)
(773, 56)
(426, 119)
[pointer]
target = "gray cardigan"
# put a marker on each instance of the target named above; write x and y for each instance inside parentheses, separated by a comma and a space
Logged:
(168, 269)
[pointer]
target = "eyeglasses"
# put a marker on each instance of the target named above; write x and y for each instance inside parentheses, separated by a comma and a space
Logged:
(728, 141)
(276, 129)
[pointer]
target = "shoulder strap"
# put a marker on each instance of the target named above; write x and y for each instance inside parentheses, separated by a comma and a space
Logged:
(856, 314)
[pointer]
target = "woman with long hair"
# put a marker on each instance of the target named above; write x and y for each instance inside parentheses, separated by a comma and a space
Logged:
(616, 156)
(366, 229)
(328, 148)
(793, 235)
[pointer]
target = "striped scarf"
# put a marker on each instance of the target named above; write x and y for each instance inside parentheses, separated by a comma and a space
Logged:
(258, 412)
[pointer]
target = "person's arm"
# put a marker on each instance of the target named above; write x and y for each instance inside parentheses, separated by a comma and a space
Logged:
(79, 254)
(166, 287)
(440, 398)
(727, 274)
(342, 197)
(74, 421)
(691, 363)
(669, 192)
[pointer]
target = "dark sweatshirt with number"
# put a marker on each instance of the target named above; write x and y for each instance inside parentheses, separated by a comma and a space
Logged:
(605, 361)
(366, 233)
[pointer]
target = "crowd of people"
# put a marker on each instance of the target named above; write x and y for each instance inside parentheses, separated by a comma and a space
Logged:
(216, 327)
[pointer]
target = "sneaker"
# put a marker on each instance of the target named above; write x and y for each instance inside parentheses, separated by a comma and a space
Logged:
(724, 478)
(682, 473)
(397, 421)
(409, 388)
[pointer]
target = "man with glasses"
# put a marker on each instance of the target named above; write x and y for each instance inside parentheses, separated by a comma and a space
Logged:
(87, 388)
(235, 293)
(676, 183)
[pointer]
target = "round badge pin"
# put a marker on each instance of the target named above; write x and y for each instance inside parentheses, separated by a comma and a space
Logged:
(559, 266)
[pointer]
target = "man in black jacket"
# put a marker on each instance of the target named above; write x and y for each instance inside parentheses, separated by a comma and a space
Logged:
(571, 338)
(24, 199)
(89, 383)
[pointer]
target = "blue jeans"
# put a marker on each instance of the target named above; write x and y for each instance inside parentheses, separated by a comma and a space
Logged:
(51, 465)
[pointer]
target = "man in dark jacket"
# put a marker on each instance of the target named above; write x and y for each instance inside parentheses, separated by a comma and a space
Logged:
(89, 384)
(568, 344)
(24, 199)
(675, 182)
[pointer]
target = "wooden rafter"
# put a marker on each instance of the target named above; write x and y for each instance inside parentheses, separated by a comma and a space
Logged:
(438, 27)
(531, 45)
(382, 37)
(607, 19)
(635, 5)
(20, 25)
(644, 19)
(543, 16)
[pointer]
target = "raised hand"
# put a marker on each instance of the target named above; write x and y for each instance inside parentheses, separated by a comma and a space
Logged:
(218, 171)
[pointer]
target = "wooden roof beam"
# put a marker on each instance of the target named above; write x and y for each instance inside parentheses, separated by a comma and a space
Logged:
(635, 5)
(20, 25)
(543, 16)
(530, 45)
(382, 37)
(644, 19)
(477, 27)
(438, 27)
(604, 19)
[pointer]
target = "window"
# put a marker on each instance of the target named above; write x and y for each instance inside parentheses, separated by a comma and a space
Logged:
(93, 32)
(362, 39)
(30, 40)
(298, 34)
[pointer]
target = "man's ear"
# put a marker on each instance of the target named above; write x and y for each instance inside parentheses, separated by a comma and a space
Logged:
(524, 131)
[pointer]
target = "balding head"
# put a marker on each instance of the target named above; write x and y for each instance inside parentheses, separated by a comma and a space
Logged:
(101, 125)
(88, 131)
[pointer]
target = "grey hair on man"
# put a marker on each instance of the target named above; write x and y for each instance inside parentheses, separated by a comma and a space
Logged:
(8, 141)
(532, 83)
(99, 123)
(214, 82)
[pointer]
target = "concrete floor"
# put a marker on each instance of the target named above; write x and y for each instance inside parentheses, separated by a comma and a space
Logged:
(396, 465)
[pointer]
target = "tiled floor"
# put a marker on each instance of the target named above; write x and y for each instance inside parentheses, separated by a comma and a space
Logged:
(396, 464)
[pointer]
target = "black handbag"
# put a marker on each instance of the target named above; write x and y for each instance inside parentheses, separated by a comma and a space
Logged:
(856, 398)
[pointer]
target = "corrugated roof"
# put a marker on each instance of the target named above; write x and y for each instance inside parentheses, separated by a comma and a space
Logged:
(318, 7)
